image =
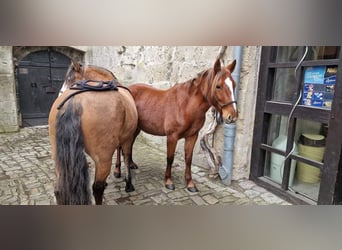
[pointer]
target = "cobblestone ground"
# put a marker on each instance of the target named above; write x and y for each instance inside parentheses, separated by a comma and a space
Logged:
(27, 178)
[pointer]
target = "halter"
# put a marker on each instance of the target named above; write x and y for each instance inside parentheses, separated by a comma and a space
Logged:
(225, 104)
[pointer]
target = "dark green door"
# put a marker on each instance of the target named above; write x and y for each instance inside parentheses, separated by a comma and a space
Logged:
(40, 77)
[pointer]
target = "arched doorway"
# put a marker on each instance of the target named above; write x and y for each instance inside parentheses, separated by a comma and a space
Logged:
(40, 76)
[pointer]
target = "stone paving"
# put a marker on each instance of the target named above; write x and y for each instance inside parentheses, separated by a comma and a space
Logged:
(27, 178)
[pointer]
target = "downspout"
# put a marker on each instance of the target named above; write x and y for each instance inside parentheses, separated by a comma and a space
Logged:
(225, 170)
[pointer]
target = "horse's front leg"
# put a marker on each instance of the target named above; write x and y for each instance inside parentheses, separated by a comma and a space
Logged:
(189, 149)
(131, 163)
(171, 147)
(117, 170)
(127, 153)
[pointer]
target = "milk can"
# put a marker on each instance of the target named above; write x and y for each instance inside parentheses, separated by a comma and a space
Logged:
(310, 146)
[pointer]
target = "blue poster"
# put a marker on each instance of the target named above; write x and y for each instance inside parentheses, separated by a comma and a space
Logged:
(314, 75)
(319, 86)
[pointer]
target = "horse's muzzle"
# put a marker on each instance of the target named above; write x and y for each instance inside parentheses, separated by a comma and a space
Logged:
(229, 119)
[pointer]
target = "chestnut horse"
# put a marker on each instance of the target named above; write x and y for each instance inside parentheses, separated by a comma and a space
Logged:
(179, 112)
(97, 122)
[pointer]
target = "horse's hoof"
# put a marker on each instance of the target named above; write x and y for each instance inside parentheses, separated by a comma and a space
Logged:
(129, 188)
(192, 189)
(170, 186)
(133, 166)
(117, 175)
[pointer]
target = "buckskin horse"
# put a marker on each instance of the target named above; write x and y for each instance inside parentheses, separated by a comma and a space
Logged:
(179, 112)
(96, 114)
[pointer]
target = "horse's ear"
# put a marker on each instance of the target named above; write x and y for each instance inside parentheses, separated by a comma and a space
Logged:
(231, 66)
(217, 66)
(76, 65)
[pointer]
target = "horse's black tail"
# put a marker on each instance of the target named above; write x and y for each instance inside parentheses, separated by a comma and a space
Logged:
(72, 166)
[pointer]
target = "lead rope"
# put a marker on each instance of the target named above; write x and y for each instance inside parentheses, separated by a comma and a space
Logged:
(298, 100)
(291, 114)
(213, 158)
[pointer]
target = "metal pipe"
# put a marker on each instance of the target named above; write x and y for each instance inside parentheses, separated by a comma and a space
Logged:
(225, 171)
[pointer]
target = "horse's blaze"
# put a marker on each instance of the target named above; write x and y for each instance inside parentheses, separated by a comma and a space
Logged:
(230, 113)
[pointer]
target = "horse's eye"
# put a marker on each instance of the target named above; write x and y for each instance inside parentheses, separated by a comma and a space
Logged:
(218, 87)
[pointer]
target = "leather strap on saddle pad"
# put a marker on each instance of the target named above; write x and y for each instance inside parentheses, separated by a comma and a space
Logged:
(100, 86)
(83, 86)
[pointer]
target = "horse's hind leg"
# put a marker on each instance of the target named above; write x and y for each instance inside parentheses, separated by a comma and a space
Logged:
(98, 190)
(102, 170)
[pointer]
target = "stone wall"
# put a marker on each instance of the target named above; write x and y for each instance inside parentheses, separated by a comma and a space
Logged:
(153, 64)
(163, 66)
(8, 104)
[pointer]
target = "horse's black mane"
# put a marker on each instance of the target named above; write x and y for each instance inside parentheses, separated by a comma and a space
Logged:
(70, 75)
(104, 69)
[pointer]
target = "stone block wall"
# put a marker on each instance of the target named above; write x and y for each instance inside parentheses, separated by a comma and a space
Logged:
(8, 104)
(163, 66)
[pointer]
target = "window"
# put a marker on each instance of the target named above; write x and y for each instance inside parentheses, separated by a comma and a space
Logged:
(296, 150)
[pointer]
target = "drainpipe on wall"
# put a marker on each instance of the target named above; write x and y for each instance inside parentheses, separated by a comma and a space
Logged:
(225, 171)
